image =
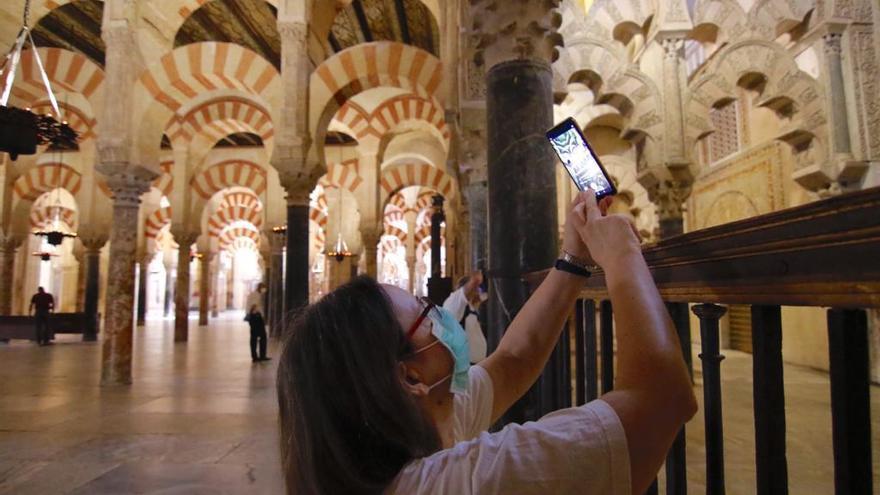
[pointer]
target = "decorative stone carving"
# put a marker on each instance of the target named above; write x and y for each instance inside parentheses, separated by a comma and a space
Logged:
(505, 31)
(670, 196)
(300, 184)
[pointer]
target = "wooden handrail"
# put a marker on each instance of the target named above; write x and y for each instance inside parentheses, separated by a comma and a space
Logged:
(826, 253)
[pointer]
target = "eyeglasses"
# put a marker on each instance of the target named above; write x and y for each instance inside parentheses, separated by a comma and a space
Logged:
(428, 307)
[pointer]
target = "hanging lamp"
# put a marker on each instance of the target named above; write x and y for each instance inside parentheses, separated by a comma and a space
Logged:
(21, 130)
(340, 250)
(56, 236)
(44, 255)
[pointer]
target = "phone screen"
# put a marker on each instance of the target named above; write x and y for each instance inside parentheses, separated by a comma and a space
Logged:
(579, 160)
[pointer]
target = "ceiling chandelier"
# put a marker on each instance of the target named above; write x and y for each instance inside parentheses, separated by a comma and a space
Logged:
(21, 130)
(56, 235)
(44, 255)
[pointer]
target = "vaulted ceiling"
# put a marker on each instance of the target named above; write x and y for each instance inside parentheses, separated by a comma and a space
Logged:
(250, 23)
(406, 21)
(74, 26)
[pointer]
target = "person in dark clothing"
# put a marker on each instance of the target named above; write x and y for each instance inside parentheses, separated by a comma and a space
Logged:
(42, 304)
(255, 310)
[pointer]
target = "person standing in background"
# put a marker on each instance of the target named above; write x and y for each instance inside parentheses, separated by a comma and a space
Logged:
(255, 312)
(42, 304)
(463, 303)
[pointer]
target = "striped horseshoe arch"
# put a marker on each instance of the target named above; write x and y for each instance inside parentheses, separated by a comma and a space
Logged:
(156, 221)
(343, 175)
(229, 173)
(44, 216)
(44, 178)
(194, 69)
(216, 119)
(365, 66)
(68, 70)
(396, 177)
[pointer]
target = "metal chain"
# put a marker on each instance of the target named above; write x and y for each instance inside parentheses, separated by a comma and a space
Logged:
(27, 11)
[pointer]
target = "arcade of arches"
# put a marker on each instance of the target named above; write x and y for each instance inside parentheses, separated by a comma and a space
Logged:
(228, 142)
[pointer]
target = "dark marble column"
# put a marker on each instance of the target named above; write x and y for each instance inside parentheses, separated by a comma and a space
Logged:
(204, 287)
(276, 282)
(93, 244)
(439, 287)
(522, 194)
(215, 287)
(142, 290)
(477, 195)
(184, 241)
(296, 290)
(8, 246)
(118, 321)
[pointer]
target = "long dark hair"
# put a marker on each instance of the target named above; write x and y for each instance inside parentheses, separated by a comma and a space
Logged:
(347, 424)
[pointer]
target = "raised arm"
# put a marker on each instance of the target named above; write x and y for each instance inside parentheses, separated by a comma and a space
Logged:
(531, 336)
(652, 392)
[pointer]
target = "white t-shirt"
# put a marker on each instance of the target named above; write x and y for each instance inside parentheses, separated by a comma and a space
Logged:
(456, 304)
(577, 450)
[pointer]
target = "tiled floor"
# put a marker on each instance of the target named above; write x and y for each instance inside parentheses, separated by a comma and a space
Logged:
(200, 418)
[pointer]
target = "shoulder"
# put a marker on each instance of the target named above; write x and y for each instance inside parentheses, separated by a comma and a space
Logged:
(576, 450)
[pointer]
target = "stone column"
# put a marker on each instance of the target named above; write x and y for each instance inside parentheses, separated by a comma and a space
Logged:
(185, 240)
(92, 241)
(411, 215)
(840, 142)
(79, 255)
(170, 263)
(370, 237)
(277, 241)
(144, 265)
(204, 286)
(670, 197)
(9, 243)
(215, 287)
(516, 44)
(127, 188)
(477, 195)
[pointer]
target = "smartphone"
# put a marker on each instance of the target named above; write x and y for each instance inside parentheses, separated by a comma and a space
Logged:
(579, 160)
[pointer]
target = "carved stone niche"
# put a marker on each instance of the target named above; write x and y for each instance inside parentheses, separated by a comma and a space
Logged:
(515, 30)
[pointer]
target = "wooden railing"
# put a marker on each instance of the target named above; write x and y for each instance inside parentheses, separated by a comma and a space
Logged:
(824, 254)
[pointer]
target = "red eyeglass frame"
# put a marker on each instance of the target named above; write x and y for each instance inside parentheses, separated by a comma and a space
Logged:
(429, 305)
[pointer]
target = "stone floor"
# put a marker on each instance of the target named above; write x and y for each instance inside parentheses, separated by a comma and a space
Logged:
(200, 418)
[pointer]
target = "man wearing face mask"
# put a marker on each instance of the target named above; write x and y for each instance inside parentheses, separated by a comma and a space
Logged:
(255, 316)
(464, 303)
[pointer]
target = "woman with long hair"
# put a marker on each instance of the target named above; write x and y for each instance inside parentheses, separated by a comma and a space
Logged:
(377, 394)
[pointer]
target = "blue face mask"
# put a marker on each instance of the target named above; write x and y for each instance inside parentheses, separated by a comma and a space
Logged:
(449, 332)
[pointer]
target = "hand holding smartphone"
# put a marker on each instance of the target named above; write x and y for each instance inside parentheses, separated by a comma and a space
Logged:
(579, 160)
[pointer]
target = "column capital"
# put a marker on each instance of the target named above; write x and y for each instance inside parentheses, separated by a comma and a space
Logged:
(669, 196)
(277, 241)
(126, 181)
(300, 184)
(831, 43)
(10, 241)
(293, 31)
(507, 31)
(370, 236)
(672, 43)
(183, 236)
(93, 238)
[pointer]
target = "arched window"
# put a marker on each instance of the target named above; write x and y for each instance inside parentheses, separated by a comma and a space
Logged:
(725, 141)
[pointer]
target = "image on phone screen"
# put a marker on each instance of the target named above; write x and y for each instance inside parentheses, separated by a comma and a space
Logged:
(579, 160)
